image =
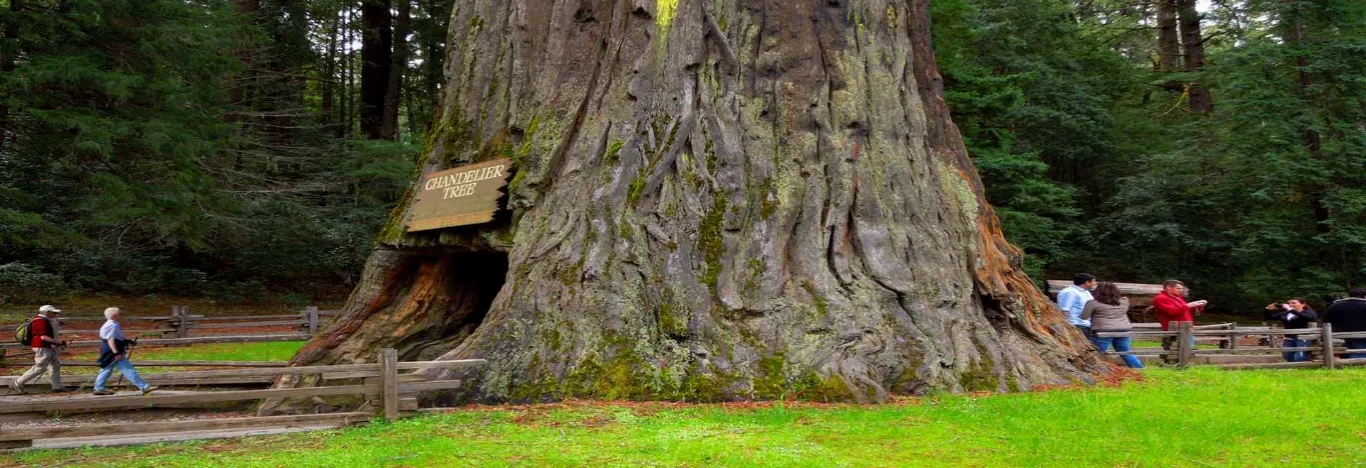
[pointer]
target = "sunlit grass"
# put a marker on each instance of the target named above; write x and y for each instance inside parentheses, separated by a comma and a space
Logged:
(1201, 416)
(271, 351)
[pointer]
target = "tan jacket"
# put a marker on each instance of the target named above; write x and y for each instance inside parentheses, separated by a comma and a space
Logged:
(1106, 317)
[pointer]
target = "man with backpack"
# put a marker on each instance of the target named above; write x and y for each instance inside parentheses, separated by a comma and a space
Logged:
(40, 333)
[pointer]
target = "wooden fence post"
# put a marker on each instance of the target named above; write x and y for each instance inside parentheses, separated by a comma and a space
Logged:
(174, 322)
(388, 373)
(1233, 337)
(1184, 347)
(312, 312)
(183, 329)
(1326, 336)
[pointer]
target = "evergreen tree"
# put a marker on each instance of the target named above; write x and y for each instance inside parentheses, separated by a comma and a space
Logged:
(168, 146)
(1264, 199)
(115, 106)
(1036, 102)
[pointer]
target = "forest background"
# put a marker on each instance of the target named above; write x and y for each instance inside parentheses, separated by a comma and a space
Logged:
(249, 150)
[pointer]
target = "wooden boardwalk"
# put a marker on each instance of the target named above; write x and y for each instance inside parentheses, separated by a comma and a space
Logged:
(36, 432)
(25, 419)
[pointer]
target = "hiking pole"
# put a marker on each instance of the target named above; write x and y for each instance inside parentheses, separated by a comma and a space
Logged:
(127, 354)
(118, 382)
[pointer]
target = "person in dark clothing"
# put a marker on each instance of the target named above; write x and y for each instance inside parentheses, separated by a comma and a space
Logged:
(1293, 314)
(1347, 316)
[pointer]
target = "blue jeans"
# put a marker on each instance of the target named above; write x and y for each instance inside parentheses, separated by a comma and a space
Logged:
(1355, 344)
(1122, 345)
(125, 367)
(1295, 356)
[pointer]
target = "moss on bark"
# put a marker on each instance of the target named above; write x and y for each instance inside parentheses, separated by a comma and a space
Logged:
(797, 218)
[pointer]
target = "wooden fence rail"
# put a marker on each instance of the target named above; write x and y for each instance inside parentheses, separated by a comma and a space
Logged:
(179, 324)
(162, 431)
(1179, 348)
(381, 379)
(185, 341)
(185, 363)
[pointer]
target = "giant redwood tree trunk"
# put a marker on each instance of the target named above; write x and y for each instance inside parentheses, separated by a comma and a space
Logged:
(713, 199)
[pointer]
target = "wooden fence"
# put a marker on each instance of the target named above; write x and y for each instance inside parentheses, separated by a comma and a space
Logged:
(382, 384)
(176, 328)
(1145, 330)
(1184, 336)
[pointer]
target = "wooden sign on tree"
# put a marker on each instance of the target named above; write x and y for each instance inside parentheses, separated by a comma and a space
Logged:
(456, 197)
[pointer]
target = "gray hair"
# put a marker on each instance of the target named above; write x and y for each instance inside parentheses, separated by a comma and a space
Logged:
(111, 312)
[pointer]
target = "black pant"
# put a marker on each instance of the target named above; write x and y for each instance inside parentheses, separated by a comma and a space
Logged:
(1085, 331)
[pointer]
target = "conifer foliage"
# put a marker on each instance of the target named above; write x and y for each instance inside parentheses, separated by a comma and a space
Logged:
(195, 147)
(245, 148)
(1217, 142)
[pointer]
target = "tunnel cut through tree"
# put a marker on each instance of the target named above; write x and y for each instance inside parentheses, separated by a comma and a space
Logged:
(719, 199)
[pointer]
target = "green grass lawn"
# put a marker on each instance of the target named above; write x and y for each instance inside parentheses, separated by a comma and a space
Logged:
(272, 351)
(1198, 417)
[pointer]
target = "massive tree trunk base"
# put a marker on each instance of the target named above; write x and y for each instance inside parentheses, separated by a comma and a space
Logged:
(713, 200)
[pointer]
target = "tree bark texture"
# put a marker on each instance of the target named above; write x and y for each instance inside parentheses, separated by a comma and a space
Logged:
(713, 200)
(346, 106)
(1313, 142)
(239, 93)
(330, 79)
(1193, 55)
(376, 54)
(1168, 41)
(394, 94)
(8, 51)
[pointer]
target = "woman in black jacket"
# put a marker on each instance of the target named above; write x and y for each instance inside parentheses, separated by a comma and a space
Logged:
(1293, 314)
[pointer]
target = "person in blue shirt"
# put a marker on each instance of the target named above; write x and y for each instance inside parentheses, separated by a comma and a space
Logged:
(114, 355)
(1072, 300)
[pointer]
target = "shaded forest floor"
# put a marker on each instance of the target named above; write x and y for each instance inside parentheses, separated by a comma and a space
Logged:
(1201, 416)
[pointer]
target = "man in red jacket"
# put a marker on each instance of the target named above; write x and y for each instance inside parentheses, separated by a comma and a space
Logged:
(1171, 306)
(46, 350)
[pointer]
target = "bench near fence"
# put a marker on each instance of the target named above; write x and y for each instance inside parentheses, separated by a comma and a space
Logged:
(385, 388)
(1182, 353)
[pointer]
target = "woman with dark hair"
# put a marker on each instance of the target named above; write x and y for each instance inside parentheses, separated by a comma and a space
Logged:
(1293, 314)
(1109, 316)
